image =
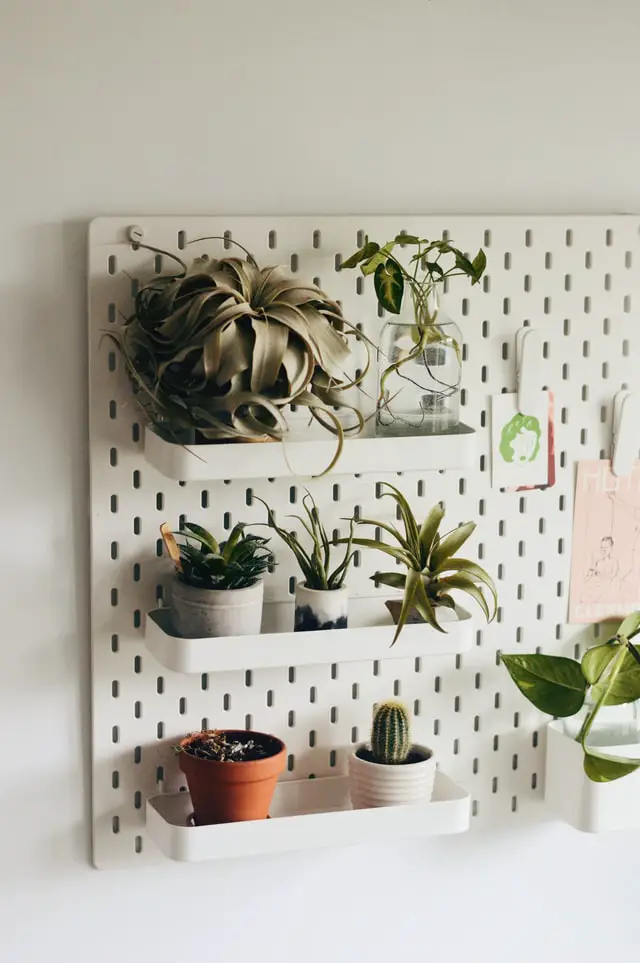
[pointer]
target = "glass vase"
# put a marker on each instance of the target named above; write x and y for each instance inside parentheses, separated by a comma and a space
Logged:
(419, 370)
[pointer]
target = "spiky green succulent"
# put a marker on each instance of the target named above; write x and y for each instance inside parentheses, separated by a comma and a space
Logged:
(390, 733)
(201, 561)
(432, 569)
(221, 349)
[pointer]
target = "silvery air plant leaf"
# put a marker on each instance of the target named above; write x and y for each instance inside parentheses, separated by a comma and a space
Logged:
(224, 347)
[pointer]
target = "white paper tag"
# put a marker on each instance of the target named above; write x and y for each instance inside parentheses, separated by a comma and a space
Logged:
(519, 442)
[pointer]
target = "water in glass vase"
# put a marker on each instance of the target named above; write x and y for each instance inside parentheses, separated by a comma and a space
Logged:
(420, 365)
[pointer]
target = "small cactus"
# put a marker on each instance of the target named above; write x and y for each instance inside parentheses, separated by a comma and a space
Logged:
(390, 737)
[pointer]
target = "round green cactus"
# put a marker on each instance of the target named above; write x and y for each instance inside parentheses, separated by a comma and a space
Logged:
(390, 737)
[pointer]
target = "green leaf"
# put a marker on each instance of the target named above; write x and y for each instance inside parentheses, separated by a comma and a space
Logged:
(368, 249)
(464, 264)
(626, 685)
(389, 284)
(466, 584)
(428, 531)
(434, 268)
(398, 553)
(450, 545)
(596, 660)
(553, 684)
(413, 579)
(372, 265)
(408, 518)
(478, 264)
(395, 580)
(201, 535)
(406, 239)
(470, 568)
(602, 768)
(232, 541)
(425, 606)
(629, 625)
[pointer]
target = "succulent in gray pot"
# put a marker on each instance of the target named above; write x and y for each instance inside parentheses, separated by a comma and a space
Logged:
(390, 771)
(218, 589)
(322, 598)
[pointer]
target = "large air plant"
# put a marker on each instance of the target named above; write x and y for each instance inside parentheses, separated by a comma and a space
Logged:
(219, 350)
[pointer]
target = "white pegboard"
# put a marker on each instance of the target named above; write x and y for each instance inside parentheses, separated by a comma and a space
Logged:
(571, 277)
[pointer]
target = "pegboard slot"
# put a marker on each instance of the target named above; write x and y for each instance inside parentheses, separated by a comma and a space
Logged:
(305, 814)
(368, 637)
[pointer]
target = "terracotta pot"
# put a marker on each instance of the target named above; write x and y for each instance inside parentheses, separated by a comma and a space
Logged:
(231, 792)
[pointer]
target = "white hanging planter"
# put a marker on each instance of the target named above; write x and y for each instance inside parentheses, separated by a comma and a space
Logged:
(591, 807)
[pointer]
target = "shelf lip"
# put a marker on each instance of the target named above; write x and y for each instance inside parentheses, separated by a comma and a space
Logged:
(302, 458)
(300, 822)
(360, 643)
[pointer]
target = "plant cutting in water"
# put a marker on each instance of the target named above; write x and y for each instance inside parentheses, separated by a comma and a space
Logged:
(218, 351)
(237, 563)
(607, 675)
(433, 571)
(315, 563)
(428, 268)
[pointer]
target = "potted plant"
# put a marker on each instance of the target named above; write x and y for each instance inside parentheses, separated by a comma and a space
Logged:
(321, 600)
(420, 352)
(432, 569)
(231, 774)
(390, 771)
(218, 589)
(607, 675)
(217, 351)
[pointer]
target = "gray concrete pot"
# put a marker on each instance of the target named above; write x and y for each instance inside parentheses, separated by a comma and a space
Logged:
(199, 613)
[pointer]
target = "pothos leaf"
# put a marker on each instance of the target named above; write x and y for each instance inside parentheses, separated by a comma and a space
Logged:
(479, 263)
(389, 284)
(602, 768)
(553, 684)
(629, 625)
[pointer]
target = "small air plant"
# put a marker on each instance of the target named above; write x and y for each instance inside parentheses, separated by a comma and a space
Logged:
(203, 562)
(390, 734)
(315, 564)
(432, 570)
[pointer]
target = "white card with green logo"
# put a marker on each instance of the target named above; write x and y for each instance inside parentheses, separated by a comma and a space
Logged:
(519, 442)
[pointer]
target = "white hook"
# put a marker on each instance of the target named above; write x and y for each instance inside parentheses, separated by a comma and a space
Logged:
(626, 432)
(136, 233)
(528, 378)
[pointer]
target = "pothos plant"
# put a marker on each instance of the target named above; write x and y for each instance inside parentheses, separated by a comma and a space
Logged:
(607, 675)
(432, 263)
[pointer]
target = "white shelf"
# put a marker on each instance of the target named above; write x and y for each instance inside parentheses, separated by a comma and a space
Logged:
(591, 807)
(305, 814)
(299, 456)
(368, 637)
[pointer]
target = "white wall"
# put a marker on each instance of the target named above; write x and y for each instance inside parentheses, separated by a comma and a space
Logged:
(160, 106)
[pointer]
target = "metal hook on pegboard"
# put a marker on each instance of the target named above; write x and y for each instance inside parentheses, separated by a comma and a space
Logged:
(626, 432)
(528, 378)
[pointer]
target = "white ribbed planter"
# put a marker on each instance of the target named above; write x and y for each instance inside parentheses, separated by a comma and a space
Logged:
(215, 613)
(373, 784)
(317, 610)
